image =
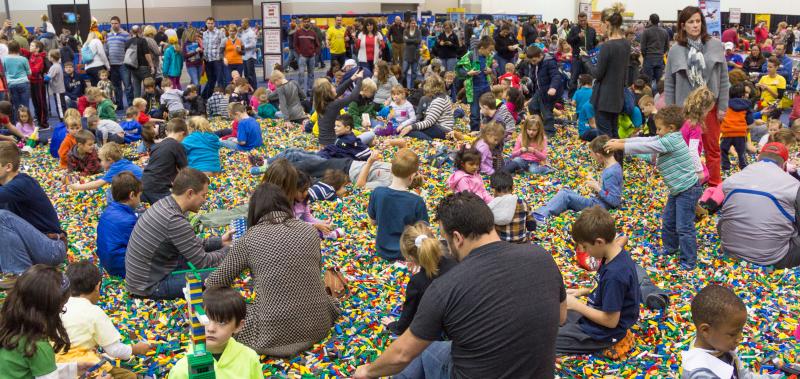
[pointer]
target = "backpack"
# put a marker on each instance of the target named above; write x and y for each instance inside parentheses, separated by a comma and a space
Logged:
(132, 55)
(87, 54)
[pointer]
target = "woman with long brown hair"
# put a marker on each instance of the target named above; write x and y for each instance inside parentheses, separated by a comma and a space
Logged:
(695, 60)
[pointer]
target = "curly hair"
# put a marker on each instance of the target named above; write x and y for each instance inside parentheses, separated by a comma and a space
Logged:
(698, 104)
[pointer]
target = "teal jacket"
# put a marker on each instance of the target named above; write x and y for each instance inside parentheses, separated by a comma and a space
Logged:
(172, 63)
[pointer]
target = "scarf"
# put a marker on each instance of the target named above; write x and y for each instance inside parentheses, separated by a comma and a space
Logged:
(696, 63)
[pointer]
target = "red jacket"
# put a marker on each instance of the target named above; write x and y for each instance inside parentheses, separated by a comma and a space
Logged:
(306, 43)
(36, 61)
(84, 103)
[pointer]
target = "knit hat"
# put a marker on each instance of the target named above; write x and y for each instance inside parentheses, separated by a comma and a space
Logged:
(349, 63)
(776, 148)
(321, 191)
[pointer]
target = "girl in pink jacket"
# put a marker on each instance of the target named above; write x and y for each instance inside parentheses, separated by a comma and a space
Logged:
(467, 177)
(530, 150)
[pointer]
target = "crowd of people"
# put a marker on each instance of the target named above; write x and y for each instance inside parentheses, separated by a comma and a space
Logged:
(485, 300)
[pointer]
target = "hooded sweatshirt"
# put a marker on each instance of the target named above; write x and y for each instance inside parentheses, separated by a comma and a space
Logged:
(172, 99)
(202, 151)
(461, 181)
(737, 118)
(503, 208)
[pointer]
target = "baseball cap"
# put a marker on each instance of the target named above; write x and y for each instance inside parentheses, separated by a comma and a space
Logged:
(776, 148)
(729, 45)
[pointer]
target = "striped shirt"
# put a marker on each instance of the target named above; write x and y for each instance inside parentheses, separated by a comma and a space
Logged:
(213, 44)
(674, 160)
(115, 47)
(504, 117)
(160, 241)
(440, 112)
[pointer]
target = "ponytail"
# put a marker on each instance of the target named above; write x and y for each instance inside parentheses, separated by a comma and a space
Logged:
(419, 245)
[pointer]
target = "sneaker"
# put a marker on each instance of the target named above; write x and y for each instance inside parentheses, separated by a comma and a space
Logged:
(258, 170)
(656, 301)
(540, 219)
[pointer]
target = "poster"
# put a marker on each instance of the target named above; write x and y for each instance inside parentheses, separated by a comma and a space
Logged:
(713, 16)
(272, 41)
(735, 15)
(269, 63)
(271, 15)
(763, 17)
(585, 8)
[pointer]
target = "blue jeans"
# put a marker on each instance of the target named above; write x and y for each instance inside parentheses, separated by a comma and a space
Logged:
(215, 72)
(567, 199)
(230, 143)
(20, 96)
(450, 64)
(171, 287)
(429, 134)
(678, 231)
(475, 109)
(229, 72)
(519, 164)
(250, 72)
(120, 78)
(435, 362)
(195, 72)
(25, 246)
(410, 76)
(296, 155)
(654, 69)
(538, 106)
(305, 71)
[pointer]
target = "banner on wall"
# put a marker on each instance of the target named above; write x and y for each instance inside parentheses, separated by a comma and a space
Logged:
(713, 16)
(735, 16)
(763, 17)
(585, 8)
(271, 21)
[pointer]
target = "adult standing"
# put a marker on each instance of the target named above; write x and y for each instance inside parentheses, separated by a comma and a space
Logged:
(563, 29)
(506, 46)
(249, 44)
(396, 39)
(163, 241)
(754, 61)
(99, 58)
(306, 46)
(500, 307)
(655, 43)
(695, 60)
(322, 43)
(529, 32)
(369, 44)
(144, 65)
(233, 56)
(212, 48)
(337, 42)
(607, 96)
(761, 32)
(581, 37)
(411, 40)
(193, 54)
(447, 49)
(115, 49)
(765, 198)
(282, 253)
(149, 35)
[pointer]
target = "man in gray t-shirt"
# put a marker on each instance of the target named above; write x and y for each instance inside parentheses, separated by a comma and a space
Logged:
(499, 307)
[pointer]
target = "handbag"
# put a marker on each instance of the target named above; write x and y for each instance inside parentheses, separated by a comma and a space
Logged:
(335, 282)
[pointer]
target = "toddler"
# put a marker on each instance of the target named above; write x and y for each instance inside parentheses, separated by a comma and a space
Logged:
(105, 84)
(697, 105)
(490, 145)
(466, 177)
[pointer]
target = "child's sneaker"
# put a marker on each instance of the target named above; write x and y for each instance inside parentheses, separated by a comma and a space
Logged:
(258, 170)
(656, 301)
(540, 219)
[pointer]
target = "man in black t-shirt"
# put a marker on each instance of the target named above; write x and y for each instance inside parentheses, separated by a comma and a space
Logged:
(499, 308)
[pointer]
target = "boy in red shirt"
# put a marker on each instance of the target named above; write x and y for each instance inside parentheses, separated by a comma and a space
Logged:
(36, 58)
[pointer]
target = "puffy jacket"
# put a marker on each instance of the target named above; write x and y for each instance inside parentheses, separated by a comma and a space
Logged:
(347, 146)
(172, 62)
(544, 76)
(461, 181)
(737, 118)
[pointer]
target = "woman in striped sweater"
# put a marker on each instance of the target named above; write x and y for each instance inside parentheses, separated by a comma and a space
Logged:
(438, 122)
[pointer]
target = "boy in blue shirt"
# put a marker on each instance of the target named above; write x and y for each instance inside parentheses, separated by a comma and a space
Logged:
(475, 68)
(112, 161)
(117, 221)
(393, 208)
(73, 85)
(608, 190)
(583, 94)
(248, 135)
(612, 306)
(587, 130)
(132, 127)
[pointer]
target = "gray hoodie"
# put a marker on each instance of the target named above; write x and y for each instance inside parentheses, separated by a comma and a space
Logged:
(503, 208)
(289, 98)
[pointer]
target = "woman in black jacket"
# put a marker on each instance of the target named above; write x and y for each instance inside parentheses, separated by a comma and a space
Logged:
(607, 96)
(447, 46)
(754, 61)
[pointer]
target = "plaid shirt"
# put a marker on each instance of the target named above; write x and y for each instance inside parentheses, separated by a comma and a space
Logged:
(515, 231)
(87, 165)
(217, 105)
(213, 44)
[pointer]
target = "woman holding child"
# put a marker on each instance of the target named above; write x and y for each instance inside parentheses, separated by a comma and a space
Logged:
(292, 310)
(696, 60)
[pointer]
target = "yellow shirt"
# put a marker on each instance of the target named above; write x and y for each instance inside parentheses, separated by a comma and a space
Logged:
(777, 83)
(336, 39)
(236, 362)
